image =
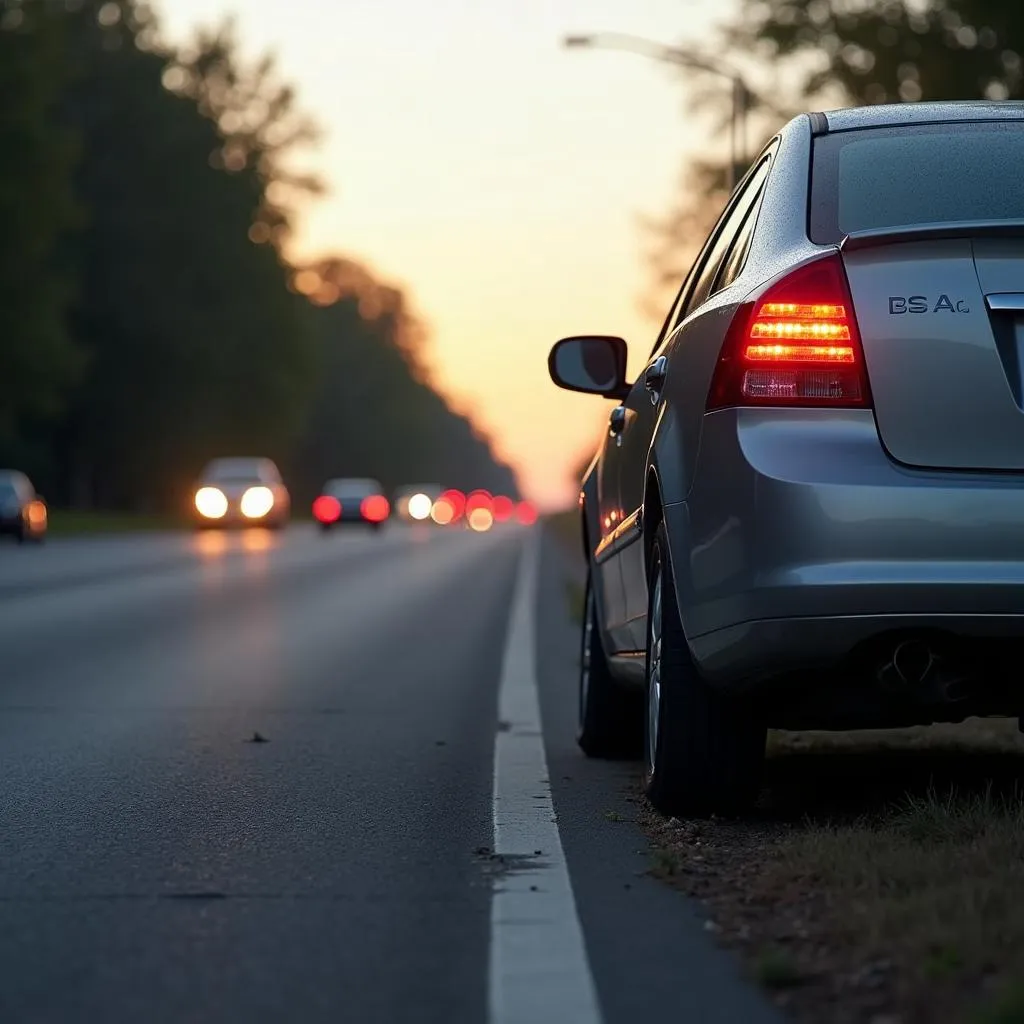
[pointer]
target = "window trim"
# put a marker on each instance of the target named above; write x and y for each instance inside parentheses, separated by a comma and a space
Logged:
(675, 317)
(748, 225)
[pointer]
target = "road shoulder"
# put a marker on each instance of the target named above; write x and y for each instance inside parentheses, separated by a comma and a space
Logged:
(648, 945)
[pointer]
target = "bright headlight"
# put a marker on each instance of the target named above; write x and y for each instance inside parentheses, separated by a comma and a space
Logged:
(420, 506)
(211, 503)
(256, 502)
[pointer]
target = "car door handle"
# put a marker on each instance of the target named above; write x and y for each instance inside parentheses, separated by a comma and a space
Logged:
(654, 375)
(617, 420)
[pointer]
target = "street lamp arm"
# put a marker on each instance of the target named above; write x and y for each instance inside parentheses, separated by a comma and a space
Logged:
(649, 48)
(741, 94)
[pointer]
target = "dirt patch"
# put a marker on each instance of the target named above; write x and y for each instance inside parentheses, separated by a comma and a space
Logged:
(880, 880)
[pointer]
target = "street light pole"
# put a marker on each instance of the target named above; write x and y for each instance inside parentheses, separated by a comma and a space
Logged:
(684, 58)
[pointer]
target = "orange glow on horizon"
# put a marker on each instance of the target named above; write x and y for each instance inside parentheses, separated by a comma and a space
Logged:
(533, 184)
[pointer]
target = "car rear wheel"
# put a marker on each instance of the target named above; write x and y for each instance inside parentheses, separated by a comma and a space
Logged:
(610, 719)
(703, 751)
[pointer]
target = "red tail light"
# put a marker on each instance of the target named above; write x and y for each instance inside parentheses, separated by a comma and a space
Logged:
(457, 500)
(375, 508)
(478, 499)
(795, 344)
(326, 509)
(526, 513)
(503, 508)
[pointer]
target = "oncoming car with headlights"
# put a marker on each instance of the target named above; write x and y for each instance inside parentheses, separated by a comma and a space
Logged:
(807, 511)
(414, 503)
(241, 492)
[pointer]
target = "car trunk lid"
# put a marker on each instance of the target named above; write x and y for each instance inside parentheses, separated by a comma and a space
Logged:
(941, 316)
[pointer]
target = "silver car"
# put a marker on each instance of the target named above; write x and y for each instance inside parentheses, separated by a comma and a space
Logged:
(808, 511)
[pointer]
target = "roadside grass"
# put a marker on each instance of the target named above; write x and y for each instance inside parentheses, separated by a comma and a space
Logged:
(64, 522)
(881, 878)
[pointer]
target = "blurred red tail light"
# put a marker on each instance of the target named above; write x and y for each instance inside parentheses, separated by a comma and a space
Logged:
(796, 344)
(375, 508)
(478, 499)
(457, 500)
(326, 509)
(502, 508)
(526, 513)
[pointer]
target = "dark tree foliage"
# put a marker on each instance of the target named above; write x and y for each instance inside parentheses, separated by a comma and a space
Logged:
(38, 357)
(373, 396)
(258, 121)
(162, 327)
(887, 51)
(845, 52)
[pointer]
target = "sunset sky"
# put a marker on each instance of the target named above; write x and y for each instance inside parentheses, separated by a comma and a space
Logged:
(496, 176)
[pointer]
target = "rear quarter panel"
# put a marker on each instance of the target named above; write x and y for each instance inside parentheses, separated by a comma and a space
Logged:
(679, 443)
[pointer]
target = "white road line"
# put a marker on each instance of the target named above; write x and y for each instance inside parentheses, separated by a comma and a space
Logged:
(538, 970)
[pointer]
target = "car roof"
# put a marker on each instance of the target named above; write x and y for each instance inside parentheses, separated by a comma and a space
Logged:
(885, 115)
(240, 463)
(365, 482)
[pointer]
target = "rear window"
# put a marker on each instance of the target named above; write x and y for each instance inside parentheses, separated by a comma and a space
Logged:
(352, 488)
(922, 174)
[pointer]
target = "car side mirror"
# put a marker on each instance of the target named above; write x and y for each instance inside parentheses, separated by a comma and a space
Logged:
(593, 364)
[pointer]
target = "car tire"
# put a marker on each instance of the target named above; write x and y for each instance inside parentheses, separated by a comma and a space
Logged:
(609, 716)
(703, 752)
(325, 527)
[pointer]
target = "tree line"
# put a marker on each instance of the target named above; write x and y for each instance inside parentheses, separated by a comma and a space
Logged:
(821, 54)
(149, 316)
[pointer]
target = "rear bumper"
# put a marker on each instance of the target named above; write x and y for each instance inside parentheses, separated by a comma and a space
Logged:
(353, 519)
(801, 538)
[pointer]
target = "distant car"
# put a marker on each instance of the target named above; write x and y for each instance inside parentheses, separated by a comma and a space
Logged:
(351, 500)
(241, 492)
(414, 503)
(23, 513)
(807, 511)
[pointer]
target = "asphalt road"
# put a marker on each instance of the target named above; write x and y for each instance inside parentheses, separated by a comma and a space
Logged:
(159, 862)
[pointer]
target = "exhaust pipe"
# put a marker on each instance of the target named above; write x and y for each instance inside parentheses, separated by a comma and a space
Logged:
(911, 663)
(915, 664)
